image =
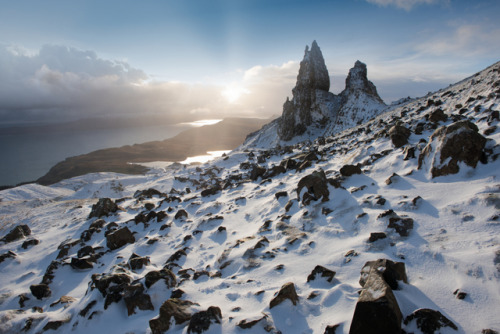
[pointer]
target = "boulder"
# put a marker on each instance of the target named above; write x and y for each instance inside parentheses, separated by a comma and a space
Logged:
(399, 135)
(287, 291)
(348, 170)
(401, 225)
(201, 321)
(324, 272)
(181, 214)
(429, 321)
(81, 264)
(374, 236)
(316, 185)
(438, 115)
(8, 255)
(135, 297)
(40, 290)
(137, 262)
(256, 172)
(18, 232)
(172, 308)
(391, 272)
(154, 276)
(30, 242)
(103, 207)
(119, 238)
(210, 191)
(449, 145)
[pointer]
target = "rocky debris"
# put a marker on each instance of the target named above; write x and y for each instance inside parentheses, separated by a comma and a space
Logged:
(87, 308)
(29, 243)
(274, 171)
(136, 262)
(377, 310)
(460, 294)
(172, 308)
(375, 236)
(316, 185)
(134, 297)
(409, 153)
(287, 291)
(148, 193)
(181, 214)
(256, 172)
(331, 329)
(154, 276)
(40, 291)
(348, 170)
(429, 321)
(22, 299)
(401, 225)
(64, 300)
(81, 264)
(247, 324)
(280, 194)
(104, 207)
(399, 135)
(119, 238)
(201, 321)
(54, 325)
(176, 256)
(324, 272)
(49, 272)
(8, 255)
(392, 179)
(309, 95)
(18, 232)
(489, 331)
(212, 190)
(85, 251)
(449, 145)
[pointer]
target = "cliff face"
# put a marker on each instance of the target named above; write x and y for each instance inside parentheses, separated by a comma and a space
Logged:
(314, 107)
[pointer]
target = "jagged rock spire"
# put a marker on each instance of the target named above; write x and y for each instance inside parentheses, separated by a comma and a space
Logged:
(357, 80)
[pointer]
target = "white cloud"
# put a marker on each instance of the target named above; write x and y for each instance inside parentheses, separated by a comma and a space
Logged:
(406, 4)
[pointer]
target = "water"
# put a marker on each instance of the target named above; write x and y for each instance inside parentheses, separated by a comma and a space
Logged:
(28, 156)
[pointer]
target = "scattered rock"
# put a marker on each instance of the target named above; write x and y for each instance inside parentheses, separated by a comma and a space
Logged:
(316, 185)
(54, 325)
(374, 236)
(348, 170)
(210, 191)
(399, 135)
(8, 255)
(401, 225)
(331, 329)
(409, 153)
(119, 238)
(63, 300)
(22, 299)
(40, 290)
(202, 320)
(281, 194)
(429, 321)
(87, 308)
(246, 324)
(329, 274)
(167, 275)
(392, 179)
(181, 214)
(438, 115)
(103, 207)
(172, 308)
(287, 291)
(18, 232)
(137, 262)
(135, 297)
(29, 243)
(81, 264)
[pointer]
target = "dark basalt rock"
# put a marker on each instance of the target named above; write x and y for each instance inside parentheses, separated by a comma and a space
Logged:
(316, 185)
(449, 145)
(85, 251)
(119, 238)
(201, 321)
(18, 232)
(40, 290)
(103, 207)
(135, 297)
(399, 135)
(374, 236)
(172, 308)
(105, 283)
(210, 191)
(429, 321)
(148, 193)
(181, 214)
(287, 291)
(324, 272)
(30, 242)
(137, 262)
(154, 276)
(81, 264)
(348, 170)
(281, 194)
(331, 329)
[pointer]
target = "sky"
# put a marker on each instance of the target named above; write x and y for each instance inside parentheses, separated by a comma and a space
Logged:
(197, 59)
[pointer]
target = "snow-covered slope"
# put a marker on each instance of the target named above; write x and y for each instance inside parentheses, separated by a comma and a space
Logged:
(245, 232)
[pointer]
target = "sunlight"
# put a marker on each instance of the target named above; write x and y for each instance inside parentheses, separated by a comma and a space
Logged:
(233, 92)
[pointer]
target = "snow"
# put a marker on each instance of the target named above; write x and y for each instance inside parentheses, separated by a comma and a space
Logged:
(452, 245)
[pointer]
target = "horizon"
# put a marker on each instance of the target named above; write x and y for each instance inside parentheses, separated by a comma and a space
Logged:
(73, 61)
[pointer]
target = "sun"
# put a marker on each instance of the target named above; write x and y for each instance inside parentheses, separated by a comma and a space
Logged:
(233, 92)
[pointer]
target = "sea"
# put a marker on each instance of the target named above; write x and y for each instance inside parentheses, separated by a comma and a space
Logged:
(28, 155)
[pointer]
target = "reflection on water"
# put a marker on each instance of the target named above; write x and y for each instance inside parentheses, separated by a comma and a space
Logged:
(199, 159)
(203, 122)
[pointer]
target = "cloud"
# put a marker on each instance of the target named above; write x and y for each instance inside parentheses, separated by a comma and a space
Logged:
(406, 4)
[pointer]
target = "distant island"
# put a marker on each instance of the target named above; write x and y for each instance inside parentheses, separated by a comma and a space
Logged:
(225, 135)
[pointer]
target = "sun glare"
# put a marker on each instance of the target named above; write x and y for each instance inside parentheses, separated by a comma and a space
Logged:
(233, 92)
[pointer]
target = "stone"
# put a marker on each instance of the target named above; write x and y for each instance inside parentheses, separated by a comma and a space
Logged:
(81, 264)
(29, 243)
(134, 297)
(374, 236)
(324, 272)
(40, 291)
(281, 194)
(247, 324)
(399, 135)
(176, 256)
(348, 170)
(438, 115)
(172, 308)
(106, 283)
(316, 185)
(154, 276)
(449, 145)
(104, 207)
(137, 262)
(409, 153)
(256, 172)
(54, 325)
(210, 191)
(390, 271)
(18, 232)
(401, 225)
(119, 238)
(8, 255)
(63, 300)
(148, 193)
(287, 291)
(429, 321)
(85, 251)
(22, 299)
(181, 214)
(201, 321)
(331, 329)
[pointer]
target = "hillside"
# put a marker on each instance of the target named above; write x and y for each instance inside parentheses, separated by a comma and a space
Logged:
(391, 226)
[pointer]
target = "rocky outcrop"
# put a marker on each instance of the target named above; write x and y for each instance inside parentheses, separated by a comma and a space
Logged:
(172, 308)
(18, 232)
(449, 145)
(119, 238)
(287, 291)
(429, 321)
(316, 185)
(201, 321)
(103, 207)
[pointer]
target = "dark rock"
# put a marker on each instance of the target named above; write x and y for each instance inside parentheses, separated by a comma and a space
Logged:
(409, 153)
(97, 224)
(331, 329)
(167, 275)
(134, 297)
(81, 264)
(287, 291)
(329, 274)
(438, 115)
(289, 164)
(181, 214)
(489, 331)
(281, 194)
(374, 236)
(316, 185)
(176, 256)
(137, 262)
(29, 243)
(119, 238)
(429, 321)
(210, 191)
(348, 170)
(22, 299)
(390, 271)
(63, 300)
(399, 135)
(8, 255)
(148, 193)
(458, 142)
(85, 251)
(107, 284)
(202, 320)
(392, 179)
(246, 324)
(87, 308)
(172, 308)
(49, 272)
(149, 206)
(177, 293)
(274, 171)
(18, 232)
(54, 325)
(40, 290)
(103, 207)
(256, 172)
(401, 225)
